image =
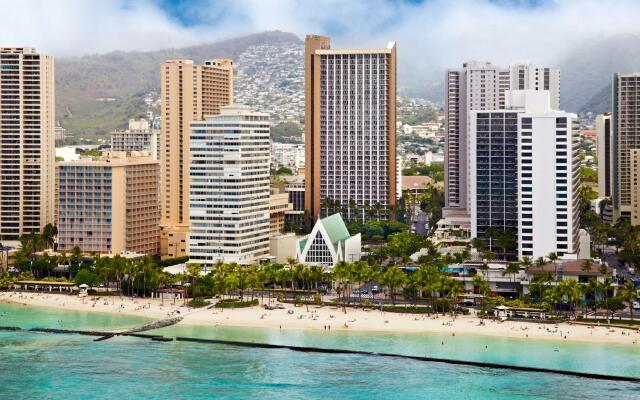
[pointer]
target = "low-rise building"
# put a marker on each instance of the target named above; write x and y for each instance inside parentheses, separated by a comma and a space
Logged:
(328, 243)
(278, 206)
(283, 246)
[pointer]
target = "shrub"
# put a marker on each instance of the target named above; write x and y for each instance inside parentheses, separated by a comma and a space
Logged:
(198, 302)
(236, 303)
(408, 310)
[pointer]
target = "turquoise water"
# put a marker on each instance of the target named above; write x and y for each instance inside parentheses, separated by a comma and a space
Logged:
(36, 365)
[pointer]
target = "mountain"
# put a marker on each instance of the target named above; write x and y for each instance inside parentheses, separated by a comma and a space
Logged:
(587, 71)
(98, 93)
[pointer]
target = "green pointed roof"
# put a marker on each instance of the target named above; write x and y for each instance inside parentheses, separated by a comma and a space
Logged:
(302, 243)
(336, 229)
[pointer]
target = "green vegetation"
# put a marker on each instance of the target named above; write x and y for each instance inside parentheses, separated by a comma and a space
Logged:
(435, 171)
(285, 131)
(173, 261)
(127, 77)
(236, 303)
(93, 153)
(419, 116)
(198, 302)
(87, 277)
(284, 171)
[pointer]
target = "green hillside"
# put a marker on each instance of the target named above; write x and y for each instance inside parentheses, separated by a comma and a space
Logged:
(126, 77)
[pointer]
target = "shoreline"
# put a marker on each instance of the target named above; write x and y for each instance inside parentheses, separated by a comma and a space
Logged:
(326, 318)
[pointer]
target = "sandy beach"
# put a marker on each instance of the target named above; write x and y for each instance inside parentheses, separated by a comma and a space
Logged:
(328, 318)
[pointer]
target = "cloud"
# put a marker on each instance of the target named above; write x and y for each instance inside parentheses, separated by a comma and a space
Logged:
(431, 35)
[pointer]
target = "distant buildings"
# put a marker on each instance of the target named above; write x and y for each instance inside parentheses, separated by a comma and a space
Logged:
(604, 153)
(60, 133)
(189, 93)
(139, 137)
(350, 126)
(328, 243)
(288, 155)
(229, 187)
(110, 205)
(27, 124)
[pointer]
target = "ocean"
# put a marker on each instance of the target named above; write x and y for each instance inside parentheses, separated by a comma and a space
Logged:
(53, 366)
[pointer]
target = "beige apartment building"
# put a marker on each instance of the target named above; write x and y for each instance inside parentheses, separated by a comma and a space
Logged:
(109, 205)
(278, 207)
(626, 138)
(138, 137)
(189, 92)
(350, 126)
(635, 186)
(27, 148)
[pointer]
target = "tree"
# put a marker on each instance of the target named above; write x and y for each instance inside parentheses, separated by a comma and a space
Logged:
(482, 287)
(393, 278)
(87, 277)
(553, 257)
(513, 268)
(629, 293)
(193, 274)
(49, 232)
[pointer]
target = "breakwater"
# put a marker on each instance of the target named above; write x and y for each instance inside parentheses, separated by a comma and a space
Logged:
(322, 350)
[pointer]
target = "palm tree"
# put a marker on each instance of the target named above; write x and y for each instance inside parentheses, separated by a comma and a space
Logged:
(513, 268)
(586, 266)
(553, 257)
(605, 287)
(629, 293)
(482, 288)
(49, 233)
(342, 273)
(393, 278)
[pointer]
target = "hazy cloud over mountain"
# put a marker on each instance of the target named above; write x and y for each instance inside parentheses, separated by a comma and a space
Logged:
(437, 32)
(431, 34)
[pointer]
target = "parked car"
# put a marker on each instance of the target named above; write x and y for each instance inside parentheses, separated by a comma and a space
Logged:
(636, 305)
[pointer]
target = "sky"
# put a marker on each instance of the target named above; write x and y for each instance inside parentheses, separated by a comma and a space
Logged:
(438, 33)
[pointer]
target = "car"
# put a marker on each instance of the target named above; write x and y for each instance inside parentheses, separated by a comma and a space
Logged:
(280, 307)
(374, 289)
(635, 305)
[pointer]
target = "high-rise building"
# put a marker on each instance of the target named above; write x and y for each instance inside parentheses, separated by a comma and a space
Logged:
(350, 126)
(481, 86)
(604, 148)
(189, 93)
(626, 137)
(229, 210)
(109, 205)
(139, 137)
(27, 148)
(635, 186)
(477, 86)
(548, 178)
(523, 177)
(493, 178)
(524, 76)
